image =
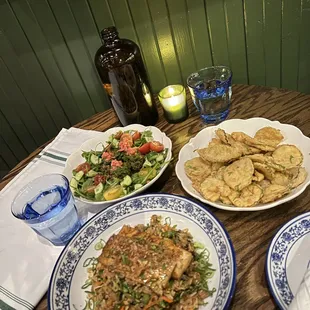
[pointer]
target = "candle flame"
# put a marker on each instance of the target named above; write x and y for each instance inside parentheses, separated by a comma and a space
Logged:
(170, 90)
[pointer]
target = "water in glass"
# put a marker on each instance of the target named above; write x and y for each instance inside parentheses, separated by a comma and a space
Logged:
(211, 92)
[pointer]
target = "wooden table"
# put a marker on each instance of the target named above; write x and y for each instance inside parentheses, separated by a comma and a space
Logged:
(251, 232)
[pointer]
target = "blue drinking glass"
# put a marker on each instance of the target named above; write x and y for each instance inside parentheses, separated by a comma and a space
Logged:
(211, 92)
(47, 206)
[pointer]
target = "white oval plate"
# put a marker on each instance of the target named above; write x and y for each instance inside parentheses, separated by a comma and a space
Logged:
(292, 135)
(76, 158)
(288, 258)
(69, 275)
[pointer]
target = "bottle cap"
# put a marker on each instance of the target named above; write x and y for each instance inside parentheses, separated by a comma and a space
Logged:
(109, 33)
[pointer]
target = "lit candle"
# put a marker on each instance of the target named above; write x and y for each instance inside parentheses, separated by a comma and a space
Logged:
(173, 100)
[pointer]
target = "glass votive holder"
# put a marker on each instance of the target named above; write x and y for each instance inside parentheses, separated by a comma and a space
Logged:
(47, 206)
(173, 101)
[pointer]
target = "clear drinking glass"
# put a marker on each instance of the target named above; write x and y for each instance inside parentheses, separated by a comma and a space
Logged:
(210, 89)
(47, 206)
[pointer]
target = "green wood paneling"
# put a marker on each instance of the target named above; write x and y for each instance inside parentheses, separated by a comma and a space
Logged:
(4, 168)
(148, 43)
(47, 103)
(83, 61)
(20, 60)
(122, 19)
(236, 40)
(85, 22)
(199, 33)
(19, 105)
(254, 26)
(217, 29)
(47, 74)
(102, 13)
(159, 15)
(304, 49)
(291, 23)
(272, 41)
(49, 64)
(47, 22)
(6, 153)
(8, 110)
(11, 139)
(182, 40)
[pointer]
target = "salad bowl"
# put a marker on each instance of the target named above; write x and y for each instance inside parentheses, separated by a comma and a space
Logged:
(99, 144)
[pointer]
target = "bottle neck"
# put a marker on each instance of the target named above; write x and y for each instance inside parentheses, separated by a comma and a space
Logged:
(109, 35)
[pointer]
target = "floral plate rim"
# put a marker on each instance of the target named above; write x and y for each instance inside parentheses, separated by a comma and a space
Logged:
(229, 253)
(275, 290)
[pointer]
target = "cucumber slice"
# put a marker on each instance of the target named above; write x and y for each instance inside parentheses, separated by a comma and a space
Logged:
(127, 181)
(91, 173)
(160, 158)
(79, 175)
(74, 183)
(137, 186)
(99, 197)
(99, 189)
(147, 163)
(115, 143)
(95, 159)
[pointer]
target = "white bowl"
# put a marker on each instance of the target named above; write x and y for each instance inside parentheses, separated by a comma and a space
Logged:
(292, 135)
(76, 158)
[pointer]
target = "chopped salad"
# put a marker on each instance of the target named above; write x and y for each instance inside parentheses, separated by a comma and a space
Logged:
(129, 160)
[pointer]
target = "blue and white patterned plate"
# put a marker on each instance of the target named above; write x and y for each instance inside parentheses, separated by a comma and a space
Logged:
(288, 258)
(69, 274)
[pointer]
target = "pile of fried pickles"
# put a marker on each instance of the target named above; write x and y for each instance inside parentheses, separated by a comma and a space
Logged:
(244, 171)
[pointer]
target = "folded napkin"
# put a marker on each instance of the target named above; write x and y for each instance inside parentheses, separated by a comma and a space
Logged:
(27, 260)
(301, 300)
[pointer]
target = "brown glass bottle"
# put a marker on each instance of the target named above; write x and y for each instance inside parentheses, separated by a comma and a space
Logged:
(122, 72)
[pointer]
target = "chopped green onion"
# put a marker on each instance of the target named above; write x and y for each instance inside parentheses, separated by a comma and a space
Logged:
(87, 283)
(146, 298)
(99, 245)
(168, 221)
(88, 261)
(125, 259)
(198, 245)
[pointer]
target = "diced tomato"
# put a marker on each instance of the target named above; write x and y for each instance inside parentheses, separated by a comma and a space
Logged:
(99, 178)
(126, 142)
(145, 148)
(107, 156)
(156, 146)
(127, 137)
(85, 167)
(136, 135)
(91, 189)
(132, 150)
(116, 163)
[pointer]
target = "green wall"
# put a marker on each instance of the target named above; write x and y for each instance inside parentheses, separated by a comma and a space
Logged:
(47, 76)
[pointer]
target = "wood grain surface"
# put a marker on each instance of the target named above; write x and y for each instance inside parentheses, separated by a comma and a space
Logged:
(250, 232)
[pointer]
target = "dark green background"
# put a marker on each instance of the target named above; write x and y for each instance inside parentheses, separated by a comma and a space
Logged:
(47, 76)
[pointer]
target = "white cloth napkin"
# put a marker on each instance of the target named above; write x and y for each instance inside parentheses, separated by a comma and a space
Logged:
(301, 300)
(26, 260)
